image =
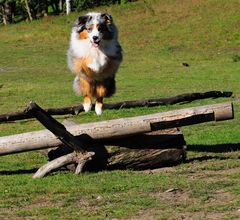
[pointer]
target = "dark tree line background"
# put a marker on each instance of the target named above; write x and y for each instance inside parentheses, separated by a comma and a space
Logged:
(13, 11)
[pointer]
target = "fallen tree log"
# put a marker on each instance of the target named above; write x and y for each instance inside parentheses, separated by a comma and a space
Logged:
(139, 159)
(119, 127)
(142, 151)
(74, 110)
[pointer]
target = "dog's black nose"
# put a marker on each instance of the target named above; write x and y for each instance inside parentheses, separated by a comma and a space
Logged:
(95, 38)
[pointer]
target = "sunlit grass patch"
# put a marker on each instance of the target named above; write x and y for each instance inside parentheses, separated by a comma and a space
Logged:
(157, 36)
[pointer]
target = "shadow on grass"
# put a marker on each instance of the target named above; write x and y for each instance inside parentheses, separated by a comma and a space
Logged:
(218, 148)
(205, 158)
(16, 172)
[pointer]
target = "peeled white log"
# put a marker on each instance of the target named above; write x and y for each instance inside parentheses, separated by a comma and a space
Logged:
(119, 127)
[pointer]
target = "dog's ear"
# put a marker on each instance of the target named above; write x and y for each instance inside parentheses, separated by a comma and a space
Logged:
(107, 17)
(108, 20)
(81, 22)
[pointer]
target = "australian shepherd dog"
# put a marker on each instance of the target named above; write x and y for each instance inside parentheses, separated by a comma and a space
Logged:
(94, 56)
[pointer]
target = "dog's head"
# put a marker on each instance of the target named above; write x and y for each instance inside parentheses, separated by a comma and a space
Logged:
(96, 27)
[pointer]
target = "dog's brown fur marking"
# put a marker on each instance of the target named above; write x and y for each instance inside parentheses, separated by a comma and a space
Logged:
(83, 35)
(81, 65)
(85, 86)
(100, 91)
(87, 100)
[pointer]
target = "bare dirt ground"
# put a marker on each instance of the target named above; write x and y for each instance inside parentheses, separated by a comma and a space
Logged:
(209, 209)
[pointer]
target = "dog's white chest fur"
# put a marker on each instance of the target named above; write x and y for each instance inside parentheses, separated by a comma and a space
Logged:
(84, 49)
(99, 60)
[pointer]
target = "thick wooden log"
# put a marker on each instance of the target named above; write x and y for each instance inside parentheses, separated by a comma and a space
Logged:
(142, 151)
(74, 110)
(119, 127)
(139, 159)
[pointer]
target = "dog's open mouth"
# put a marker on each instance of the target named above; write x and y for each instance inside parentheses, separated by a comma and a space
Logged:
(95, 43)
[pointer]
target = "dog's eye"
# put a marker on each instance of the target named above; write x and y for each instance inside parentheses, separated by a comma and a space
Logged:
(101, 28)
(89, 29)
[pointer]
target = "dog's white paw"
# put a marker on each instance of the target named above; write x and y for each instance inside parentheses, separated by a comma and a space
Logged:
(87, 107)
(98, 109)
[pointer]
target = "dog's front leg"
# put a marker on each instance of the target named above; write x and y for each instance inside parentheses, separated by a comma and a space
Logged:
(101, 92)
(86, 91)
(99, 106)
(87, 103)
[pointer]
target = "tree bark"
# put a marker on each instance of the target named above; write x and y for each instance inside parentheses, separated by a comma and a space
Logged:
(2, 13)
(60, 5)
(122, 127)
(28, 10)
(74, 110)
(7, 13)
(44, 8)
(141, 159)
(68, 7)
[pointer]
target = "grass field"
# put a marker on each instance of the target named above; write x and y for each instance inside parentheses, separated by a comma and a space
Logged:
(157, 37)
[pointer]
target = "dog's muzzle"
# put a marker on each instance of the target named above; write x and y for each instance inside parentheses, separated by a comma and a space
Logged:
(95, 41)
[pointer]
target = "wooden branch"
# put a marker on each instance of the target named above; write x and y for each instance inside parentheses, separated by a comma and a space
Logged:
(80, 155)
(54, 126)
(74, 110)
(122, 127)
(54, 164)
(63, 161)
(81, 161)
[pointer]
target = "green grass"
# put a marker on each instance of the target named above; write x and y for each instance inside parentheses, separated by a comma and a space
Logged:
(157, 37)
